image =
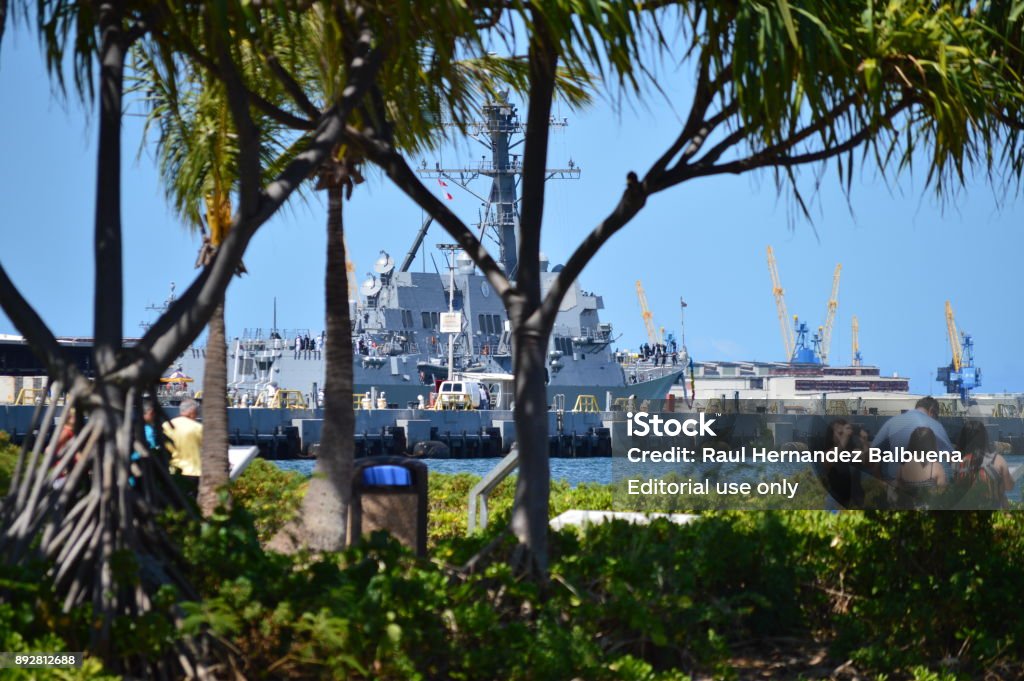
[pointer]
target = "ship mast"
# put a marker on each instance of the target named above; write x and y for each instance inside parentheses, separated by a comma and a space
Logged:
(500, 132)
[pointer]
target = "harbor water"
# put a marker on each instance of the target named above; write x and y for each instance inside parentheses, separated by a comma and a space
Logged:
(572, 471)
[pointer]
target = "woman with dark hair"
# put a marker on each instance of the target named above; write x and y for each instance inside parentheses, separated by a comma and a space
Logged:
(983, 473)
(915, 482)
(841, 480)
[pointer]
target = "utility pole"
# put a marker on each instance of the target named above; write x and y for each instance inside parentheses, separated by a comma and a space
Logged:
(450, 251)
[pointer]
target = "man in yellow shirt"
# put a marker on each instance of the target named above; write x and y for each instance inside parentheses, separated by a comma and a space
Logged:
(185, 439)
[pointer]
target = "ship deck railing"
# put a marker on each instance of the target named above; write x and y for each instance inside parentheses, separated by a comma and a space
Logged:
(29, 396)
(282, 399)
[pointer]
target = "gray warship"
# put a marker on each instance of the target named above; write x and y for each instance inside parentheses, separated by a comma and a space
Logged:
(397, 314)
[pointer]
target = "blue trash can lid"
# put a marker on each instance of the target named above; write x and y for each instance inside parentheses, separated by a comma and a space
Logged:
(387, 476)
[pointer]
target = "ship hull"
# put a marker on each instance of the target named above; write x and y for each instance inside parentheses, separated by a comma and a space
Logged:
(408, 394)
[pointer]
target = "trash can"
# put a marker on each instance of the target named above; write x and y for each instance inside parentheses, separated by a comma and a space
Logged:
(390, 493)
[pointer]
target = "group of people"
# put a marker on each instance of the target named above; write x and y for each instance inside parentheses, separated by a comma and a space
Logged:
(176, 444)
(364, 347)
(305, 344)
(980, 480)
(660, 353)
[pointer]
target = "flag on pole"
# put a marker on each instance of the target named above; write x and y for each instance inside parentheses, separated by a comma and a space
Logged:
(444, 185)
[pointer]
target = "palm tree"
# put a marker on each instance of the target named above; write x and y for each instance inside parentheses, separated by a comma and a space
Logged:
(410, 90)
(301, 68)
(99, 534)
(198, 162)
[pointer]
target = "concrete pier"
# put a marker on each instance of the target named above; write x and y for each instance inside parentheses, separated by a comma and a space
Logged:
(295, 433)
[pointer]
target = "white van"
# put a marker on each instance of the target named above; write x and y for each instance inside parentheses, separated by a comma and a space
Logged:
(458, 394)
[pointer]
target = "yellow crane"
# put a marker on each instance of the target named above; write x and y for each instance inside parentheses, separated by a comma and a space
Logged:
(780, 304)
(645, 312)
(855, 350)
(954, 338)
(830, 316)
(961, 376)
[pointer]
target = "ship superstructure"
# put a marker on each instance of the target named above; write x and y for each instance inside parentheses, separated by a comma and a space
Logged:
(400, 337)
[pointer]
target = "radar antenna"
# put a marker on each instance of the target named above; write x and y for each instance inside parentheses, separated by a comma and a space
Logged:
(500, 215)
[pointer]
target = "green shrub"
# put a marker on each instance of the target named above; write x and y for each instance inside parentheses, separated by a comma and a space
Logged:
(271, 495)
(929, 587)
(8, 460)
(30, 622)
(449, 498)
(907, 596)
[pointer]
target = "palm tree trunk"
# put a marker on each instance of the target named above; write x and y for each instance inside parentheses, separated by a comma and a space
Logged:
(215, 465)
(533, 488)
(324, 513)
(108, 289)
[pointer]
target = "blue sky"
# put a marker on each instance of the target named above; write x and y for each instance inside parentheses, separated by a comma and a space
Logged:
(903, 254)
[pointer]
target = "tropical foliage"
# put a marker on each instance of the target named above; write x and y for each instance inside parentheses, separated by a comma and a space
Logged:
(776, 85)
(909, 596)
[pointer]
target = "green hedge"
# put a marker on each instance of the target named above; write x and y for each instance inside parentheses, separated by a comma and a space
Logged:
(923, 596)
(8, 460)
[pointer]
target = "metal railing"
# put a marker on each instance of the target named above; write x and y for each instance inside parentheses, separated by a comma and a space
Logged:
(585, 403)
(32, 396)
(482, 490)
(282, 399)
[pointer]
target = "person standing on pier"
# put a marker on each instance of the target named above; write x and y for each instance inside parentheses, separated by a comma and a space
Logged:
(185, 439)
(896, 431)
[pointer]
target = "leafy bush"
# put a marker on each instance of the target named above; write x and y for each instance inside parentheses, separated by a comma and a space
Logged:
(271, 495)
(8, 460)
(624, 602)
(929, 587)
(449, 495)
(914, 596)
(30, 622)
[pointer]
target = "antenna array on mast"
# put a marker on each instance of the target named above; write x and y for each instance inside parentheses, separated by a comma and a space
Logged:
(499, 216)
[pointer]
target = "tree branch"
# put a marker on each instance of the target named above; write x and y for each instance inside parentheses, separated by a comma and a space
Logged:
(182, 323)
(818, 126)
(730, 140)
(706, 129)
(40, 339)
(250, 170)
(3, 19)
(633, 199)
(636, 193)
(702, 98)
(283, 117)
(704, 166)
(763, 159)
(543, 63)
(405, 179)
(291, 86)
